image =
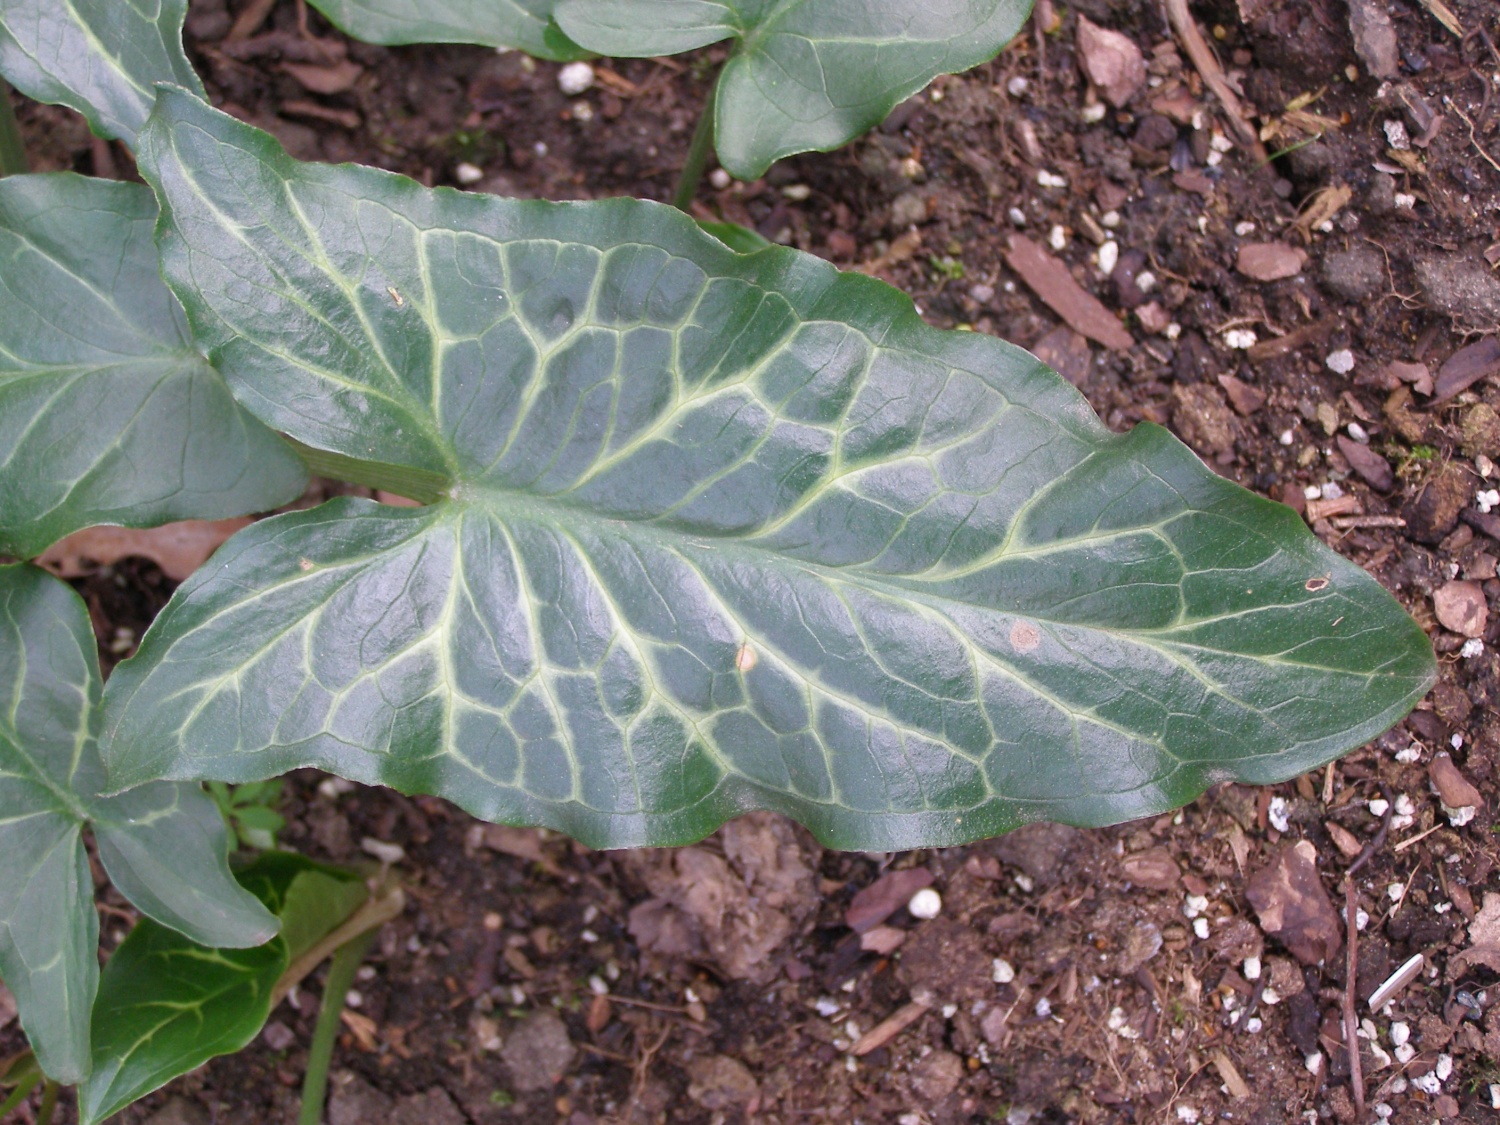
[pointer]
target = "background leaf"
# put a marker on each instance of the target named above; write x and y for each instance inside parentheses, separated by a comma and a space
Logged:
(526, 24)
(167, 1005)
(805, 74)
(723, 532)
(162, 844)
(92, 343)
(100, 57)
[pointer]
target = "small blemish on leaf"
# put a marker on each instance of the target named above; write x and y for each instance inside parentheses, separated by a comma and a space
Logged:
(305, 564)
(395, 296)
(1024, 636)
(745, 658)
(1315, 584)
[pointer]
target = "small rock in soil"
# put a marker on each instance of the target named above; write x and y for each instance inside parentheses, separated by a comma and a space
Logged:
(1270, 261)
(179, 1111)
(938, 1075)
(1042, 851)
(1374, 37)
(1463, 287)
(353, 1101)
(1461, 608)
(1434, 511)
(948, 960)
(1481, 430)
(1374, 468)
(1154, 869)
(1142, 942)
(720, 1082)
(435, 1107)
(1111, 61)
(1289, 898)
(1203, 420)
(1356, 275)
(1245, 399)
(537, 1051)
(1067, 353)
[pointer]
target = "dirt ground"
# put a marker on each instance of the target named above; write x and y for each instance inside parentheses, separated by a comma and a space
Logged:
(1313, 306)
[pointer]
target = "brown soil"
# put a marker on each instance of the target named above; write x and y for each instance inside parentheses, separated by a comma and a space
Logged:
(735, 987)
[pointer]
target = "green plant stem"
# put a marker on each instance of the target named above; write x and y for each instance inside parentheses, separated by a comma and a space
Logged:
(49, 1103)
(698, 153)
(12, 148)
(20, 1093)
(341, 972)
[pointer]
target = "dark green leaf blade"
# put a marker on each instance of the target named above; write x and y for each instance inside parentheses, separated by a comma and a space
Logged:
(167, 1005)
(806, 74)
(50, 776)
(107, 412)
(723, 532)
(525, 24)
(100, 57)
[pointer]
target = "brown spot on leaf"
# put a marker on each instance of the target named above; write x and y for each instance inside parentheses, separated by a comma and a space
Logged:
(1025, 637)
(1316, 584)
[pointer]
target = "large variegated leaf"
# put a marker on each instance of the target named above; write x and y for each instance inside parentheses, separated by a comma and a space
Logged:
(526, 24)
(163, 845)
(167, 1005)
(100, 57)
(715, 532)
(805, 74)
(108, 414)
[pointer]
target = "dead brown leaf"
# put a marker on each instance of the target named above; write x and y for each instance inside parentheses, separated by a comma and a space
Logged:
(1111, 61)
(336, 78)
(1050, 280)
(178, 548)
(1289, 898)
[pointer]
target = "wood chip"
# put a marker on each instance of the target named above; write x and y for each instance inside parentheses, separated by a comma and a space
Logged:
(1444, 15)
(1374, 468)
(1154, 869)
(1285, 345)
(1394, 983)
(1466, 367)
(1270, 261)
(334, 79)
(1327, 509)
(1452, 787)
(1245, 399)
(1050, 280)
(1233, 1082)
(882, 898)
(1417, 374)
(1289, 898)
(1460, 607)
(344, 118)
(1111, 61)
(1347, 842)
(883, 1032)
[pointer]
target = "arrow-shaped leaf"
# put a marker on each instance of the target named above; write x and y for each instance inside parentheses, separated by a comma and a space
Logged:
(108, 414)
(163, 845)
(100, 57)
(167, 1005)
(805, 74)
(526, 24)
(718, 532)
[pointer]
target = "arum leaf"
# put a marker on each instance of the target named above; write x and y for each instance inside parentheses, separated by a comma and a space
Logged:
(163, 845)
(93, 344)
(100, 57)
(718, 532)
(167, 1005)
(527, 24)
(805, 74)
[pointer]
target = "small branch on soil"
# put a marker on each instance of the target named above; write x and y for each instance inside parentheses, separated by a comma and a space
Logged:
(1351, 1021)
(1377, 841)
(1203, 58)
(890, 1027)
(1473, 140)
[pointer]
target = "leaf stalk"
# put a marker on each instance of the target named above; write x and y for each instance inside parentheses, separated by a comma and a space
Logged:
(341, 972)
(698, 153)
(13, 160)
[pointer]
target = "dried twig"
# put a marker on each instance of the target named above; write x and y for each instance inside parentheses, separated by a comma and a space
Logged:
(1351, 1021)
(890, 1027)
(1377, 841)
(1203, 58)
(1473, 140)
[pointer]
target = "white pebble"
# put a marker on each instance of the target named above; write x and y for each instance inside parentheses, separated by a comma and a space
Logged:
(926, 903)
(1378, 806)
(1244, 228)
(1025, 883)
(1412, 753)
(588, 936)
(1472, 647)
(1194, 905)
(1495, 1095)
(1252, 968)
(575, 78)
(1017, 86)
(1043, 1008)
(1487, 499)
(1286, 437)
(1361, 919)
(1200, 927)
(1220, 143)
(1405, 201)
(1016, 216)
(1093, 113)
(1002, 971)
(1045, 178)
(720, 179)
(827, 1007)
(597, 985)
(1340, 362)
(1145, 281)
(1396, 892)
(1109, 220)
(1057, 238)
(1314, 492)
(1313, 1062)
(386, 853)
(1173, 331)
(1270, 997)
(1109, 257)
(467, 173)
(1359, 433)
(1188, 1114)
(1428, 1084)
(582, 111)
(1332, 491)
(1239, 339)
(1254, 1025)
(1400, 1033)
(1276, 814)
(1405, 1053)
(1396, 135)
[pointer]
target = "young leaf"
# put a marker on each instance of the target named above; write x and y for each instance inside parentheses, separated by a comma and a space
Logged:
(162, 844)
(527, 24)
(107, 412)
(805, 74)
(167, 1005)
(100, 57)
(720, 532)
